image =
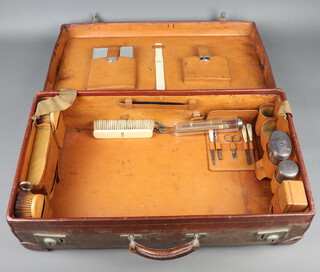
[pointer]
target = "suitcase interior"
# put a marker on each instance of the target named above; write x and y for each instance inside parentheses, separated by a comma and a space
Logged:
(165, 175)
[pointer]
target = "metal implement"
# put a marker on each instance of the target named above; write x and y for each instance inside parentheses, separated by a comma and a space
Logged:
(211, 138)
(246, 149)
(250, 134)
(232, 139)
(162, 129)
(26, 186)
(218, 146)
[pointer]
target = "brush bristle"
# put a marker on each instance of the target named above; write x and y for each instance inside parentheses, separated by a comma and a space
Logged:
(123, 124)
(23, 205)
(29, 205)
(123, 128)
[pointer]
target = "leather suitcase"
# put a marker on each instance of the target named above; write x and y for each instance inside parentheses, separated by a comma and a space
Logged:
(162, 197)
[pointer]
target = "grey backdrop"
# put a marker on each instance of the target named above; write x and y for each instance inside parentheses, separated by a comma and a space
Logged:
(291, 34)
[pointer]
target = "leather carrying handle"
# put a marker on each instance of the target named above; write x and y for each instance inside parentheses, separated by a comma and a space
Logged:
(128, 103)
(164, 254)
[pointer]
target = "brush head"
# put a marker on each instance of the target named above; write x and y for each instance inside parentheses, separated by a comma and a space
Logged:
(46, 118)
(29, 205)
(123, 128)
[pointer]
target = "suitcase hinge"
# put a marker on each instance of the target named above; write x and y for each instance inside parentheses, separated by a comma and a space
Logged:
(94, 18)
(223, 16)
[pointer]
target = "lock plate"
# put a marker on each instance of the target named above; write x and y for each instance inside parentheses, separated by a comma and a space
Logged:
(52, 240)
(271, 237)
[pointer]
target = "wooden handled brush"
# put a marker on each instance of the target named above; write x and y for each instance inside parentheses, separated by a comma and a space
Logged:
(29, 205)
(123, 128)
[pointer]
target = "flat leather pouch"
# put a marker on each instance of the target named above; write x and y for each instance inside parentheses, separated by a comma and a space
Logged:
(104, 75)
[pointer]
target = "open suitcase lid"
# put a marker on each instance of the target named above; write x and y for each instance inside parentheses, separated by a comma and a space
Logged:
(159, 56)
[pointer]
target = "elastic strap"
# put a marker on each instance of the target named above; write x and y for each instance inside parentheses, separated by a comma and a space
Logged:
(60, 102)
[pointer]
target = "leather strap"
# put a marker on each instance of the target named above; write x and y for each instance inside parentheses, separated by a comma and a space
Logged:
(113, 51)
(128, 103)
(203, 52)
(160, 80)
(285, 108)
(60, 102)
(164, 254)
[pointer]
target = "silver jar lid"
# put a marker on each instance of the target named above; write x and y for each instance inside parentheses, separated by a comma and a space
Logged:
(288, 169)
(280, 145)
(239, 123)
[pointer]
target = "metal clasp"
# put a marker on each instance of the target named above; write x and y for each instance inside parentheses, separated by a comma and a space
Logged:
(162, 129)
(223, 16)
(26, 186)
(94, 18)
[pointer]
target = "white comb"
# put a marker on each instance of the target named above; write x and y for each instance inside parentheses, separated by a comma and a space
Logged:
(104, 129)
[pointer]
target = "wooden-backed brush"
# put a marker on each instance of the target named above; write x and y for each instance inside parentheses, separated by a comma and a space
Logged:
(43, 158)
(123, 128)
(29, 205)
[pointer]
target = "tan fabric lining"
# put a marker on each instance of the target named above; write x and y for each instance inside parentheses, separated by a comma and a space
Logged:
(55, 104)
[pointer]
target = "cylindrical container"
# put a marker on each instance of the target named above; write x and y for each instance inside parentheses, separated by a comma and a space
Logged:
(286, 170)
(202, 126)
(265, 112)
(267, 128)
(279, 147)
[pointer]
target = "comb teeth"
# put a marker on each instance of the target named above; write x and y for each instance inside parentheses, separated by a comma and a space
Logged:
(123, 128)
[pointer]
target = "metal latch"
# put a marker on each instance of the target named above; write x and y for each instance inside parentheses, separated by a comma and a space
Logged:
(134, 236)
(271, 237)
(52, 240)
(199, 235)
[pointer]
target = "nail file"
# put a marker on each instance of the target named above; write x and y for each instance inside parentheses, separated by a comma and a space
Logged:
(160, 80)
(211, 138)
(219, 151)
(245, 139)
(249, 129)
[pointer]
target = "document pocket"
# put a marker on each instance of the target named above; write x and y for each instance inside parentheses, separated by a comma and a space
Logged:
(112, 68)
